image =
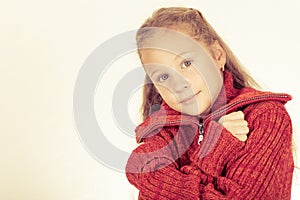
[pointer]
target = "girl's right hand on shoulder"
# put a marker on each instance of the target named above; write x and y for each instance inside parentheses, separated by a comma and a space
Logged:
(236, 124)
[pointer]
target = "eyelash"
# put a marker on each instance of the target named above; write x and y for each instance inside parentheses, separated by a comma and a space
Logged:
(161, 79)
(183, 66)
(164, 77)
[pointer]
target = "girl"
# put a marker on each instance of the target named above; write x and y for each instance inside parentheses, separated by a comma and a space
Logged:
(207, 133)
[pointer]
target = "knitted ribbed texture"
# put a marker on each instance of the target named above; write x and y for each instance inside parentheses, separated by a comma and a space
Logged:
(170, 164)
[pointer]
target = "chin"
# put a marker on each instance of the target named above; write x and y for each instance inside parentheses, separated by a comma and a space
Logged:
(193, 112)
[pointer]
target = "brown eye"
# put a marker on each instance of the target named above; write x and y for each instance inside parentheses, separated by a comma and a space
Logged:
(186, 64)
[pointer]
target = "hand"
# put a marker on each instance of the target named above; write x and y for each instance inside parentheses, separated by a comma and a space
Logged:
(236, 124)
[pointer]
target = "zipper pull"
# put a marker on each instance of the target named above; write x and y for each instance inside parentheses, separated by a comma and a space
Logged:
(201, 133)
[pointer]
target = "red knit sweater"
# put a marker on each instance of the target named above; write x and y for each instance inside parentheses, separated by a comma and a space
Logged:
(170, 164)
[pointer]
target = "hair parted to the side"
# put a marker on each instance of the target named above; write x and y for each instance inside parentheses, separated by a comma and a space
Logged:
(199, 29)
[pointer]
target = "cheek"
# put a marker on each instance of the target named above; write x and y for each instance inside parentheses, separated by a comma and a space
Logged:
(166, 94)
(205, 99)
(198, 82)
(210, 88)
(206, 95)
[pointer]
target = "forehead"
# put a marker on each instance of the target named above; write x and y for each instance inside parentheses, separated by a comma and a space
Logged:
(149, 56)
(171, 41)
(157, 60)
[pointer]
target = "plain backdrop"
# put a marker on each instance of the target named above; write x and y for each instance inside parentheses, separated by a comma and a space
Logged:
(43, 45)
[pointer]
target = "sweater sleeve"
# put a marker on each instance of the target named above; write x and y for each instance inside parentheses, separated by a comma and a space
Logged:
(153, 170)
(224, 167)
(262, 169)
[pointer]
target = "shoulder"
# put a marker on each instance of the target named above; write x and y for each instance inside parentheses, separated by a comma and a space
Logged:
(262, 103)
(269, 107)
(268, 119)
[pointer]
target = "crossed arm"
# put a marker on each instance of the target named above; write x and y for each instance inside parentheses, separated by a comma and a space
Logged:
(261, 168)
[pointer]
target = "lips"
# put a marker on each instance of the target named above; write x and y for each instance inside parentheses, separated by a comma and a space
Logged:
(189, 99)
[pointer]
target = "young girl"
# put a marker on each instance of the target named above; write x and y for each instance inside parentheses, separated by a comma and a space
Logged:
(207, 133)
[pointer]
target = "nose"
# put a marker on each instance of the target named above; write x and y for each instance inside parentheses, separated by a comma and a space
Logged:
(179, 84)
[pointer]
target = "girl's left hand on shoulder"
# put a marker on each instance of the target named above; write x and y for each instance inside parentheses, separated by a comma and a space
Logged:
(236, 124)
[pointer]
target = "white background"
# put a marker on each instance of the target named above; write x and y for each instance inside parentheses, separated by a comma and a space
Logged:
(42, 47)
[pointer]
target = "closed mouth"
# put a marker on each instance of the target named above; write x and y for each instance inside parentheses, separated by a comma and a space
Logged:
(189, 98)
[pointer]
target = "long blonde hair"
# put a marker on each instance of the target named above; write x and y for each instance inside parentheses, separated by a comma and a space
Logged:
(201, 30)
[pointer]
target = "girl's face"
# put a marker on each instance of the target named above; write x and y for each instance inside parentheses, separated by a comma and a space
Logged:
(186, 75)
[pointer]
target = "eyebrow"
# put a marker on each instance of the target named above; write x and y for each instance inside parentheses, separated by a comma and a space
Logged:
(176, 57)
(154, 72)
(182, 53)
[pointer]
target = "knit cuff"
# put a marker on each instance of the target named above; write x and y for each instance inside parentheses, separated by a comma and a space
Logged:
(166, 183)
(216, 149)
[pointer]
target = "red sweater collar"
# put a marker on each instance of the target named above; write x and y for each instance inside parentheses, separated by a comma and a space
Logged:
(229, 97)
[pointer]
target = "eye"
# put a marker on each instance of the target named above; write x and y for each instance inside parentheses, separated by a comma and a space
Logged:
(163, 77)
(186, 63)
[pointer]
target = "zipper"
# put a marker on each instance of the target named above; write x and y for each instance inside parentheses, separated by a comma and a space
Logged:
(171, 122)
(201, 133)
(215, 114)
(212, 115)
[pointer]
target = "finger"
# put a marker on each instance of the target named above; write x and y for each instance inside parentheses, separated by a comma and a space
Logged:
(236, 115)
(235, 123)
(242, 138)
(240, 130)
(232, 116)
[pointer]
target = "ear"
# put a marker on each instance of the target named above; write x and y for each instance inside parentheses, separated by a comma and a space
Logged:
(218, 54)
